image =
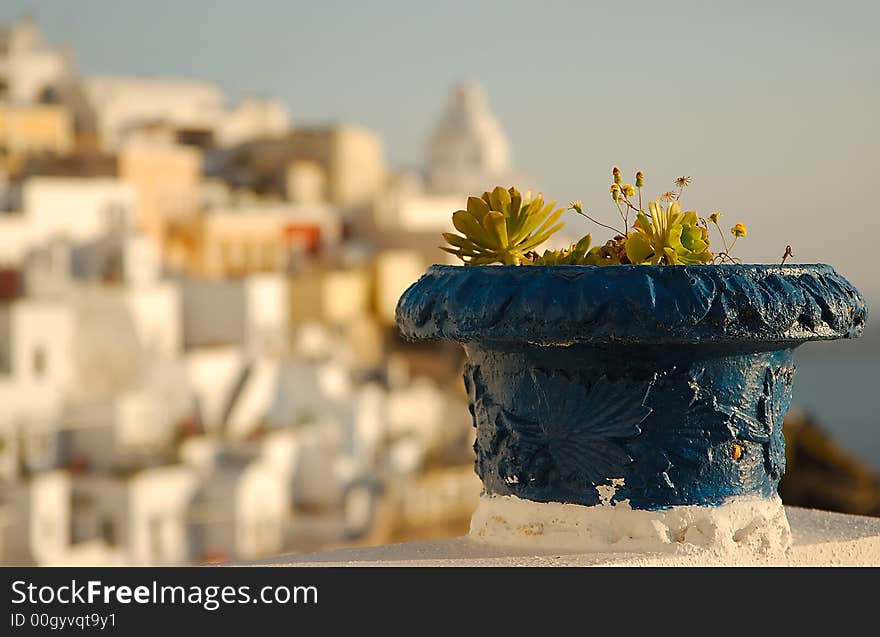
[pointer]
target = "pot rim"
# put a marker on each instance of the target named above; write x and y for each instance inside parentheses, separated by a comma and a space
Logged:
(632, 304)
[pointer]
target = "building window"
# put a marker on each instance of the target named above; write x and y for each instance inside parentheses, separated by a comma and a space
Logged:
(39, 362)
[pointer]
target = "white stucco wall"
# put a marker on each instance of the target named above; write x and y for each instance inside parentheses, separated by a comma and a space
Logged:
(49, 516)
(396, 270)
(35, 520)
(81, 208)
(421, 213)
(15, 236)
(211, 373)
(78, 208)
(254, 398)
(156, 316)
(251, 312)
(253, 118)
(419, 410)
(268, 310)
(38, 345)
(262, 511)
(142, 261)
(30, 66)
(143, 422)
(158, 501)
(145, 324)
(123, 101)
(213, 313)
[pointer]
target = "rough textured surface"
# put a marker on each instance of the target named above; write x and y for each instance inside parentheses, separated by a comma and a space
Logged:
(740, 524)
(819, 538)
(645, 304)
(679, 426)
(673, 381)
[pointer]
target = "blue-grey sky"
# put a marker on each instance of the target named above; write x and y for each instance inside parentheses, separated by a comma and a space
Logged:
(771, 106)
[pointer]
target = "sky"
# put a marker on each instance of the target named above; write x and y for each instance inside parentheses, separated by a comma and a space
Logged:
(771, 107)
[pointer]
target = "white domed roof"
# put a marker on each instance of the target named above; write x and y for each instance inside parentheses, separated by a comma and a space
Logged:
(467, 150)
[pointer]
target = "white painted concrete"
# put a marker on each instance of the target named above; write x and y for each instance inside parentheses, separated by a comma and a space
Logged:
(251, 312)
(819, 538)
(740, 524)
(78, 208)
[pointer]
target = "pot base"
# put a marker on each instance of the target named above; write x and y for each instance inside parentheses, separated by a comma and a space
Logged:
(740, 524)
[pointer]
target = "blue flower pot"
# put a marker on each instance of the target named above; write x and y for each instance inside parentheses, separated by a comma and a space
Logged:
(669, 383)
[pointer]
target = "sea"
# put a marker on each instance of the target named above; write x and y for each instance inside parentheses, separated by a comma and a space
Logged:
(839, 391)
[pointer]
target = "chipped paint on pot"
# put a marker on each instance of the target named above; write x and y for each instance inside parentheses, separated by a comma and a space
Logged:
(669, 384)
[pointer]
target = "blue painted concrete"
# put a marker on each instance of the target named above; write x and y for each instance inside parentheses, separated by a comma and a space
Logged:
(675, 379)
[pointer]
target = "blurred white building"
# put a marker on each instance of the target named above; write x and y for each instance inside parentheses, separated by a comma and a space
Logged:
(467, 150)
(135, 518)
(36, 378)
(76, 208)
(467, 153)
(250, 313)
(35, 519)
(196, 109)
(27, 67)
(252, 118)
(241, 404)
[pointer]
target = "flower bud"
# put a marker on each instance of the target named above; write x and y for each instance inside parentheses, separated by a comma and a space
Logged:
(640, 179)
(616, 172)
(628, 190)
(739, 230)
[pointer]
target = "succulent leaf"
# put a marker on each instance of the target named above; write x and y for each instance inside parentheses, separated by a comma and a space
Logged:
(506, 227)
(639, 248)
(502, 226)
(575, 254)
(668, 237)
(470, 227)
(477, 207)
(497, 227)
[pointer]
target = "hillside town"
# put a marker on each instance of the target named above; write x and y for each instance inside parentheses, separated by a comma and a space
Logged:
(198, 355)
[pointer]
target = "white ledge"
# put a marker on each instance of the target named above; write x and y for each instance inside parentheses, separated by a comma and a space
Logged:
(819, 538)
(740, 523)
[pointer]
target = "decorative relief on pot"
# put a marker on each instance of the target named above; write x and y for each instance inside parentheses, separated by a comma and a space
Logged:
(669, 384)
(561, 435)
(792, 303)
(583, 427)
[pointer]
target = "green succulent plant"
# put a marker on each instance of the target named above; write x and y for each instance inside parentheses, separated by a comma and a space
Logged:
(668, 237)
(576, 254)
(502, 227)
